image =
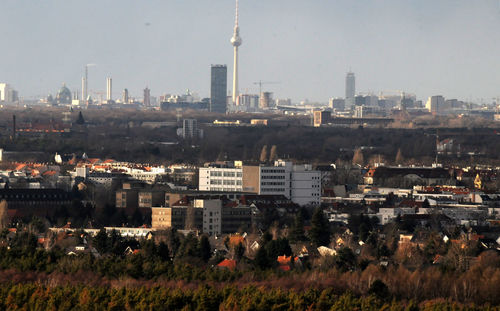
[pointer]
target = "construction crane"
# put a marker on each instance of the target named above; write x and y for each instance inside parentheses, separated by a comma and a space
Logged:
(260, 82)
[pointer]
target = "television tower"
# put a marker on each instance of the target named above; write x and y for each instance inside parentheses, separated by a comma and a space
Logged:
(236, 42)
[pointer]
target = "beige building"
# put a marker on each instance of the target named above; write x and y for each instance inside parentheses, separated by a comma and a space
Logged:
(213, 217)
(150, 198)
(127, 198)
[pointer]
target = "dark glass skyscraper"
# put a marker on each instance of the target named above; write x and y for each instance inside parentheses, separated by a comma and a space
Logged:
(218, 89)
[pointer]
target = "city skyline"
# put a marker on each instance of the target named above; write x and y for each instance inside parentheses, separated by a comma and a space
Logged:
(421, 47)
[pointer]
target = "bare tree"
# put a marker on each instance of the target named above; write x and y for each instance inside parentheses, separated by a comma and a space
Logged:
(263, 154)
(399, 157)
(273, 154)
(190, 218)
(4, 217)
(358, 157)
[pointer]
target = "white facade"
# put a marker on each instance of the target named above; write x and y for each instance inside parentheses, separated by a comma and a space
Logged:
(212, 215)
(109, 89)
(7, 94)
(435, 104)
(388, 214)
(306, 185)
(300, 183)
(220, 179)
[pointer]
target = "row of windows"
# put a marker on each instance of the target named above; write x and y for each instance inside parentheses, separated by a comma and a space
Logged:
(224, 189)
(272, 177)
(225, 182)
(272, 183)
(32, 196)
(273, 190)
(225, 174)
(273, 171)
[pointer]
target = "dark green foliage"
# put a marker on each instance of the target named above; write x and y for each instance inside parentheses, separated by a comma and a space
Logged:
(297, 232)
(320, 229)
(269, 251)
(39, 297)
(80, 120)
(205, 249)
(262, 260)
(380, 290)
(345, 259)
(239, 251)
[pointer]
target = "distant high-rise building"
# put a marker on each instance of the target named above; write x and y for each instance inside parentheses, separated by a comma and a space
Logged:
(266, 100)
(125, 96)
(147, 97)
(218, 88)
(337, 103)
(7, 93)
(435, 104)
(248, 102)
(350, 90)
(109, 89)
(84, 90)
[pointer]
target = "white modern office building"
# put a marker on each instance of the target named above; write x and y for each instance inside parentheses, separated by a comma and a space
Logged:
(300, 183)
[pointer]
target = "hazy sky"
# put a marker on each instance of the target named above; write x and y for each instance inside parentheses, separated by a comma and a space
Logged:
(427, 47)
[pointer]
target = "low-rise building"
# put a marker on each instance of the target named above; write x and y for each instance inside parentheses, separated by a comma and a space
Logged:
(213, 217)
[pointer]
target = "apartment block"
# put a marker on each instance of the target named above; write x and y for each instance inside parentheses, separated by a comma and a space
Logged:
(300, 183)
(213, 217)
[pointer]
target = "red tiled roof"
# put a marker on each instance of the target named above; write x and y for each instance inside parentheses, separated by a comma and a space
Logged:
(93, 160)
(228, 263)
(285, 260)
(236, 239)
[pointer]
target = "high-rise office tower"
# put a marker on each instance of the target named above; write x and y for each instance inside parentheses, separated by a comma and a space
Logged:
(218, 88)
(350, 90)
(147, 97)
(236, 42)
(435, 104)
(266, 100)
(109, 89)
(84, 91)
(125, 96)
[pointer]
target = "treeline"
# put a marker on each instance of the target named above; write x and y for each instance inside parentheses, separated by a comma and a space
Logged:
(39, 297)
(119, 135)
(188, 261)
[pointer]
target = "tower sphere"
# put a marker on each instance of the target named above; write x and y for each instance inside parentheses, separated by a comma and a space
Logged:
(236, 40)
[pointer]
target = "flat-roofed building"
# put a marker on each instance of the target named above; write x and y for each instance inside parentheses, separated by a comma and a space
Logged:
(211, 216)
(300, 183)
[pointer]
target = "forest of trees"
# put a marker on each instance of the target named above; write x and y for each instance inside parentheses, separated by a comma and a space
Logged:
(119, 135)
(42, 297)
(175, 261)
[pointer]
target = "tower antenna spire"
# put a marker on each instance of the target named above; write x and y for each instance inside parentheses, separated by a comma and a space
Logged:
(236, 15)
(235, 42)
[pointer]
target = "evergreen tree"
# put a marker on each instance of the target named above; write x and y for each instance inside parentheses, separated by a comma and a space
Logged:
(297, 230)
(320, 229)
(205, 249)
(100, 241)
(163, 251)
(262, 259)
(239, 251)
(80, 120)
